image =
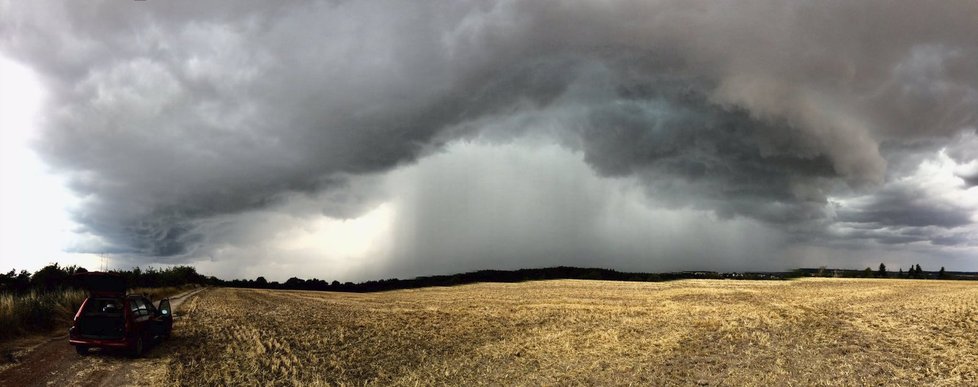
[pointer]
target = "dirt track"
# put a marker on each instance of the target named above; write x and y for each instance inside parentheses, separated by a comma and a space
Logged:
(50, 360)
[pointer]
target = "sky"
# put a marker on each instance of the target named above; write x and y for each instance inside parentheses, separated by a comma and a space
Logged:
(357, 140)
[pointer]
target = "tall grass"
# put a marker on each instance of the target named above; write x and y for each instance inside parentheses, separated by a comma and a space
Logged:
(37, 311)
(44, 311)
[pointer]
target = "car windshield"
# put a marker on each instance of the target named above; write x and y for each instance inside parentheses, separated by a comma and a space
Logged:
(103, 307)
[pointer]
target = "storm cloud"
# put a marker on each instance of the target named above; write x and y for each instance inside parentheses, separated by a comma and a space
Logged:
(185, 126)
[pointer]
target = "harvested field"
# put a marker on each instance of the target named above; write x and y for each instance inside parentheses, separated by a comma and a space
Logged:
(705, 332)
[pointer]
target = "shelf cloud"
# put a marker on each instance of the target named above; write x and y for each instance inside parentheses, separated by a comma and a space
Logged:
(836, 125)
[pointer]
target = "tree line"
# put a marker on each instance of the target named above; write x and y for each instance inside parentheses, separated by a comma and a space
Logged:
(913, 272)
(566, 272)
(55, 277)
(505, 276)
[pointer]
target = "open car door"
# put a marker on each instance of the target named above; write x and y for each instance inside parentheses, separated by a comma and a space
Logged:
(166, 317)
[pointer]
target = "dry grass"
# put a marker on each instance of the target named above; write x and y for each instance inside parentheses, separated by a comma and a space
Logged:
(806, 332)
(44, 311)
(37, 312)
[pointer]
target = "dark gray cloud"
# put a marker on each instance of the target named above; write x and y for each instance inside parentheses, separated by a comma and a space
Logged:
(899, 206)
(970, 179)
(927, 205)
(698, 154)
(964, 150)
(168, 115)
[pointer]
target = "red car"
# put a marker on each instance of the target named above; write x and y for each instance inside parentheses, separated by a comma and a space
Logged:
(111, 319)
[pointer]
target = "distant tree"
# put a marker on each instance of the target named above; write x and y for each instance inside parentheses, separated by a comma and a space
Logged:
(941, 274)
(900, 274)
(15, 282)
(261, 282)
(882, 271)
(868, 272)
(49, 277)
(912, 273)
(920, 272)
(294, 283)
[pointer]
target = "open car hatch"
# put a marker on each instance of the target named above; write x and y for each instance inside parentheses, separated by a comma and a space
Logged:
(101, 284)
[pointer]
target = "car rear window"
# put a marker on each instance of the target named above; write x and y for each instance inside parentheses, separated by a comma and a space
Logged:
(103, 307)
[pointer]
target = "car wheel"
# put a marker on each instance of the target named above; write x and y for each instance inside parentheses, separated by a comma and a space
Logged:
(137, 348)
(81, 349)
